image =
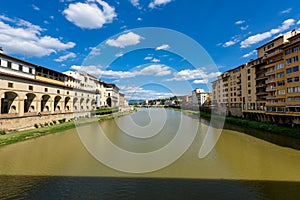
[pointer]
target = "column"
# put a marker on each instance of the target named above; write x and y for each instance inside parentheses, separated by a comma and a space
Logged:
(21, 107)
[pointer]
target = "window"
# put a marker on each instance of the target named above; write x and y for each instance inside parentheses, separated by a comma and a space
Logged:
(20, 68)
(293, 89)
(281, 92)
(292, 60)
(10, 85)
(67, 92)
(270, 46)
(280, 83)
(279, 66)
(46, 89)
(30, 71)
(248, 71)
(249, 78)
(292, 50)
(292, 69)
(280, 75)
(30, 87)
(9, 64)
(58, 91)
(249, 91)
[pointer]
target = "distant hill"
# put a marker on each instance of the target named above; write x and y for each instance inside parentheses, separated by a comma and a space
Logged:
(134, 101)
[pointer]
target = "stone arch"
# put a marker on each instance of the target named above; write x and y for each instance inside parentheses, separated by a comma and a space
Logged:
(67, 104)
(75, 103)
(45, 103)
(9, 104)
(108, 102)
(29, 105)
(87, 104)
(81, 104)
(57, 106)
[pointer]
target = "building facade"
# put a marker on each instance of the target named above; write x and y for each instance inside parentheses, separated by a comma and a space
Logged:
(32, 94)
(267, 88)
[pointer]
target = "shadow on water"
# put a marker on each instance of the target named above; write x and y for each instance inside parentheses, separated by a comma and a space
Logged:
(39, 187)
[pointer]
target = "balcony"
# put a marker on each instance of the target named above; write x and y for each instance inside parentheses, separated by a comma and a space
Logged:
(271, 80)
(259, 93)
(270, 72)
(272, 88)
(271, 97)
(261, 77)
(260, 85)
(276, 103)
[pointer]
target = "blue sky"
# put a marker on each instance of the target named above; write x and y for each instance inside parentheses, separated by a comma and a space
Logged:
(191, 41)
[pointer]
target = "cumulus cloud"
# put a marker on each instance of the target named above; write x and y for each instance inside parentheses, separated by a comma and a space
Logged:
(155, 60)
(120, 54)
(141, 93)
(202, 81)
(35, 7)
(287, 11)
(157, 3)
(254, 39)
(243, 28)
(162, 47)
(89, 15)
(148, 57)
(65, 57)
(239, 22)
(298, 22)
(127, 39)
(231, 42)
(18, 36)
(249, 54)
(136, 3)
(95, 51)
(191, 74)
(154, 70)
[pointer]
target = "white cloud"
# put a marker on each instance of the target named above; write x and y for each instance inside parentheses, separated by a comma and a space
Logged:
(155, 60)
(65, 57)
(139, 19)
(240, 22)
(156, 3)
(148, 57)
(202, 81)
(162, 47)
(243, 28)
(189, 74)
(88, 15)
(298, 22)
(95, 51)
(262, 36)
(18, 36)
(141, 93)
(120, 54)
(250, 54)
(287, 11)
(230, 43)
(136, 3)
(124, 40)
(154, 70)
(35, 7)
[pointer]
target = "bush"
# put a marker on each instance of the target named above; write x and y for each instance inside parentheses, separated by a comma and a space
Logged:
(2, 132)
(36, 126)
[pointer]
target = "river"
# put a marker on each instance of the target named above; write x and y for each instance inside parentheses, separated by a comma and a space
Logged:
(78, 164)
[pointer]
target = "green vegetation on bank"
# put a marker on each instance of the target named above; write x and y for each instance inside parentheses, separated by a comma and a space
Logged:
(246, 123)
(53, 127)
(105, 111)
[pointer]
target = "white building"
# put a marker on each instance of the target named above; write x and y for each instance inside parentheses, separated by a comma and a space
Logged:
(199, 97)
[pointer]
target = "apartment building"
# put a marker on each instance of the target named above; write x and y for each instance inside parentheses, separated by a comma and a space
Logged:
(270, 87)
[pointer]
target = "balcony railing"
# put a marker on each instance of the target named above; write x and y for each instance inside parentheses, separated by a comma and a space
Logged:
(271, 88)
(270, 72)
(270, 81)
(271, 97)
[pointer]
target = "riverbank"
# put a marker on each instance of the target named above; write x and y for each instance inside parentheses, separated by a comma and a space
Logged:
(276, 134)
(18, 136)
